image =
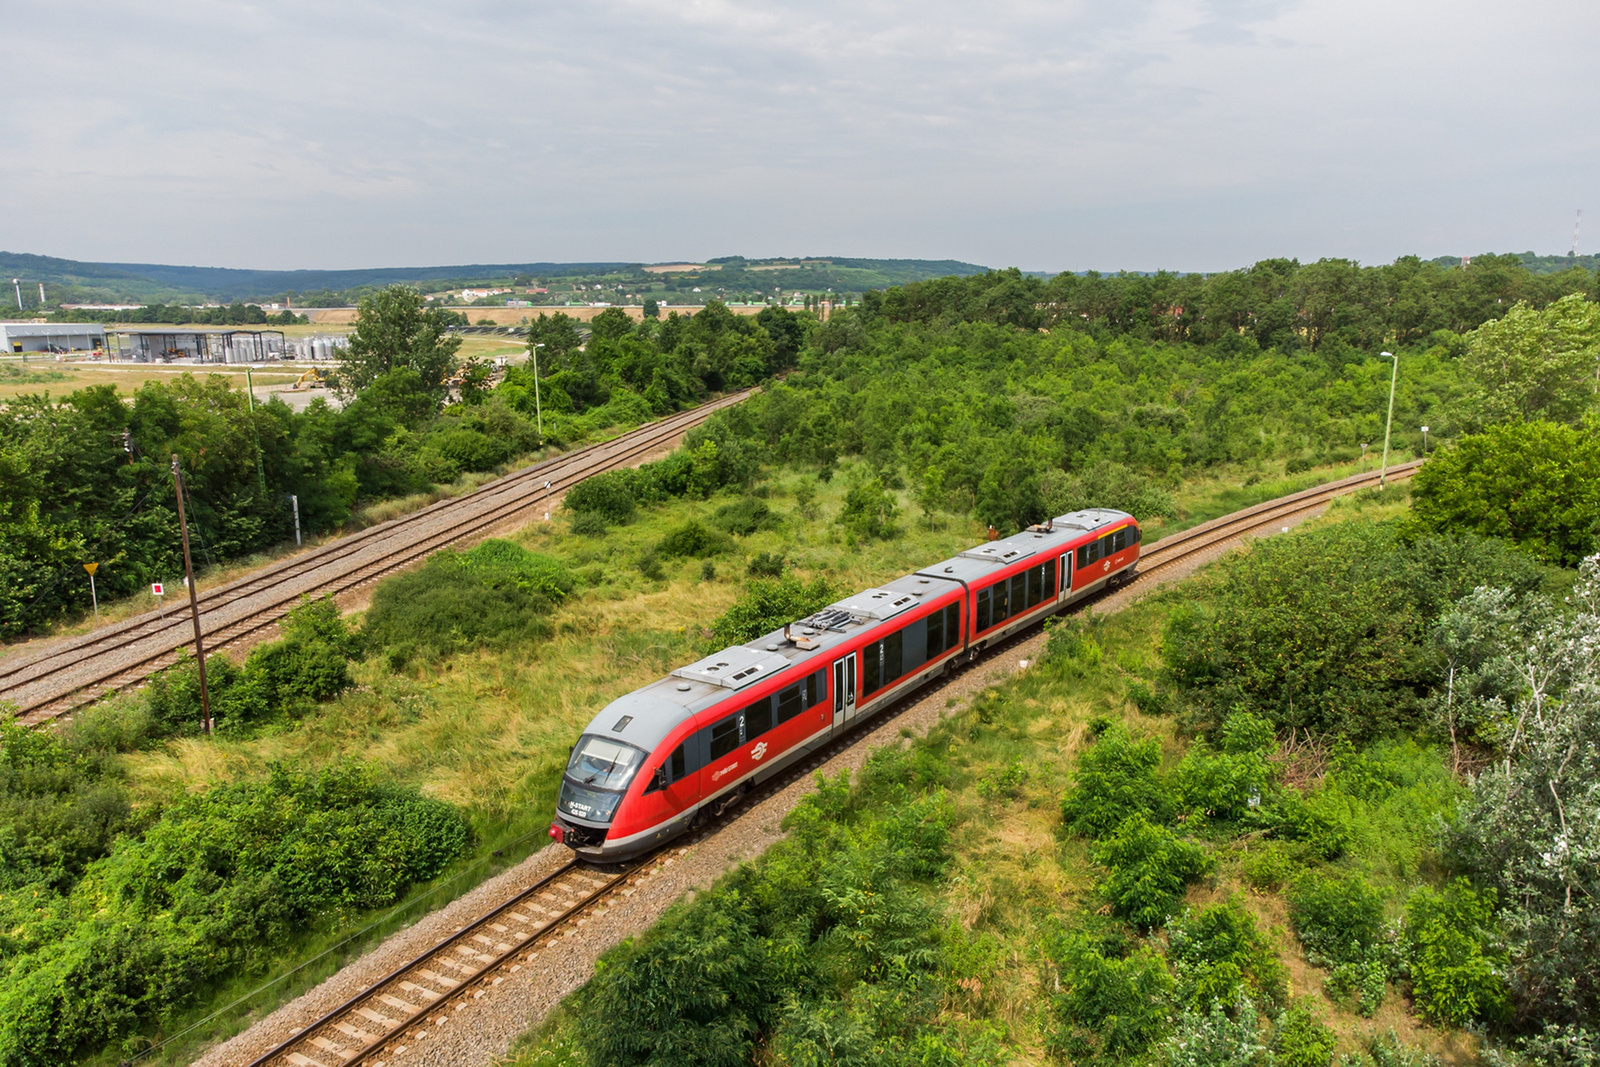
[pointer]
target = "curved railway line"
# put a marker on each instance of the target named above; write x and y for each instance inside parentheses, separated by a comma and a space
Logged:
(69, 674)
(402, 1007)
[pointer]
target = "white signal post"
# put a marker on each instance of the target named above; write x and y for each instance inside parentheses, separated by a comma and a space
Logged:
(1394, 373)
(94, 596)
(1424, 442)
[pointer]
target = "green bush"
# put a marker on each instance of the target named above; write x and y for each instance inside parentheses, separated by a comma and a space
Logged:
(869, 511)
(745, 516)
(823, 950)
(1217, 951)
(1108, 1010)
(1535, 484)
(765, 565)
(1336, 919)
(219, 883)
(498, 561)
(1229, 784)
(1117, 777)
(451, 604)
(1453, 949)
(692, 539)
(611, 496)
(237, 696)
(1148, 868)
(1212, 1038)
(1300, 1039)
(767, 604)
(1312, 632)
(311, 662)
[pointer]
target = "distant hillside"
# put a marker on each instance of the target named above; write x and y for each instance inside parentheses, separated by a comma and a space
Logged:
(1537, 264)
(69, 281)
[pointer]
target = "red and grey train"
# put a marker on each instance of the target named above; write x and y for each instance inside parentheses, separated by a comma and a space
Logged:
(656, 758)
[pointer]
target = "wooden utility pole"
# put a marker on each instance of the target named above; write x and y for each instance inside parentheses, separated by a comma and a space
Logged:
(194, 601)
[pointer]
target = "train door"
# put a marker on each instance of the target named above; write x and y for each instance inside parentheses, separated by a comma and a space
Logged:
(1064, 575)
(844, 690)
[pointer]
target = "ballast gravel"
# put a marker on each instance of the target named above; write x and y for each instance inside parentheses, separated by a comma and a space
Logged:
(482, 1032)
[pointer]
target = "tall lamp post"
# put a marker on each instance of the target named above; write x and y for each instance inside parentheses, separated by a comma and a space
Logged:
(538, 408)
(1394, 373)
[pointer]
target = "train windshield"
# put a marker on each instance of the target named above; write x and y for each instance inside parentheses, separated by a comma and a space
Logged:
(599, 763)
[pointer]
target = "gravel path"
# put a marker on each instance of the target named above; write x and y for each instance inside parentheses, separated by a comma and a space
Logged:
(482, 1032)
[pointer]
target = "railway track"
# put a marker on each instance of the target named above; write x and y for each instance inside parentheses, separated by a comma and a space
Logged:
(423, 994)
(384, 1020)
(70, 674)
(1207, 536)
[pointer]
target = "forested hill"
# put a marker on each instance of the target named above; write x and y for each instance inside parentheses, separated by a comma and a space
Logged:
(74, 281)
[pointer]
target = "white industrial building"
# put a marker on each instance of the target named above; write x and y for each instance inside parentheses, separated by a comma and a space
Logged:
(25, 337)
(204, 346)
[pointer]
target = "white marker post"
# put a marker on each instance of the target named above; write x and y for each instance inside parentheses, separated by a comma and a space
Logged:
(94, 596)
(158, 592)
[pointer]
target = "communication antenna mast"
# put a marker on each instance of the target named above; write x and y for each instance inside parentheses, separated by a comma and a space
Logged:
(1575, 226)
(41, 294)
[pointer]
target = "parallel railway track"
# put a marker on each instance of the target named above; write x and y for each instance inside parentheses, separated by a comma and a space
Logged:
(384, 1020)
(72, 673)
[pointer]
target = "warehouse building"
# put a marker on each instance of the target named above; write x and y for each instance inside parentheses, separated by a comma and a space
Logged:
(22, 338)
(204, 346)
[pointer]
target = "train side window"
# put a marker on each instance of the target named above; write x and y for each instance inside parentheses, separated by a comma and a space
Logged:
(680, 763)
(984, 610)
(935, 635)
(1105, 547)
(758, 718)
(1019, 593)
(1035, 592)
(1119, 540)
(871, 678)
(789, 703)
(1089, 553)
(725, 737)
(1050, 578)
(1135, 535)
(813, 689)
(892, 646)
(952, 626)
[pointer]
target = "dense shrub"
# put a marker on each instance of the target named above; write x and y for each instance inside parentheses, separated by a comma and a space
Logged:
(765, 565)
(1535, 484)
(458, 601)
(611, 496)
(1109, 1009)
(237, 696)
(222, 880)
(1210, 1037)
(1217, 951)
(744, 516)
(1337, 919)
(1117, 777)
(311, 662)
(1311, 632)
(823, 949)
(1300, 1039)
(1456, 960)
(767, 604)
(1148, 869)
(692, 539)
(1232, 782)
(869, 511)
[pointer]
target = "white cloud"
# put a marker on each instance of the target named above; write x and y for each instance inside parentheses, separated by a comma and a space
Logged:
(1184, 133)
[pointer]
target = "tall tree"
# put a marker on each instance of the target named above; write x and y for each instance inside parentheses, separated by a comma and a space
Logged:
(394, 330)
(1535, 364)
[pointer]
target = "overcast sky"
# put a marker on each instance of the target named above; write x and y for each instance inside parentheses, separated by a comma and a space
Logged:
(1129, 134)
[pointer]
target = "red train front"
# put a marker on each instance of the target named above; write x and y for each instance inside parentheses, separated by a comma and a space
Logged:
(662, 756)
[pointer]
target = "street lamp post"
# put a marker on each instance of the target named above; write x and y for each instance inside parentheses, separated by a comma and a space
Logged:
(1394, 373)
(538, 408)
